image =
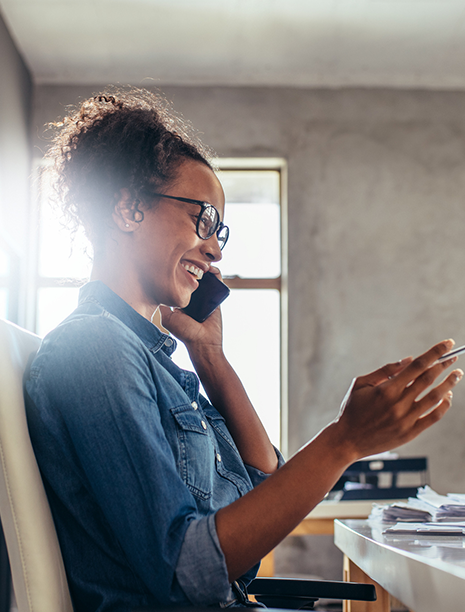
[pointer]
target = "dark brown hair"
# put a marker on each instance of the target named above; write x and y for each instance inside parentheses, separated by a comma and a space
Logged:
(126, 137)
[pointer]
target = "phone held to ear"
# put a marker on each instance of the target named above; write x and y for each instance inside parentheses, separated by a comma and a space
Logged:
(207, 297)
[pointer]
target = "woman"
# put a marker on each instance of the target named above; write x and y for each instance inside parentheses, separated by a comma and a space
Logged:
(159, 496)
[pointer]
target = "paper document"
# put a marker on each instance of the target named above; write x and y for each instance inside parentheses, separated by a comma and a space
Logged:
(443, 529)
(427, 507)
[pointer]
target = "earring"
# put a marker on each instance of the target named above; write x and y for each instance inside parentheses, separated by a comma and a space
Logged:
(127, 225)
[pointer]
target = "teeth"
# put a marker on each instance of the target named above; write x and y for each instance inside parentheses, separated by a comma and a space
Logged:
(197, 272)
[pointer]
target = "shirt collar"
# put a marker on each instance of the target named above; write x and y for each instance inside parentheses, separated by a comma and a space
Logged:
(151, 336)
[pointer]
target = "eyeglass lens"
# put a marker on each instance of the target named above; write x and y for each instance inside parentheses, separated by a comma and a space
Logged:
(223, 235)
(208, 224)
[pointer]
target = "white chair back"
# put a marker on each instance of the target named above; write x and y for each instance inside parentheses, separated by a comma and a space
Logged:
(38, 574)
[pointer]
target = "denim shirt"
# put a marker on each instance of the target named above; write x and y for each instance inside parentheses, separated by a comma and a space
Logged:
(135, 462)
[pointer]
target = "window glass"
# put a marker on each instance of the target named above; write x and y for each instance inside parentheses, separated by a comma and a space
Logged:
(253, 216)
(251, 321)
(251, 341)
(61, 254)
(254, 247)
(251, 186)
(53, 305)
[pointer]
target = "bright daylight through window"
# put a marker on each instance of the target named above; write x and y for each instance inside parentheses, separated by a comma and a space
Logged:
(251, 265)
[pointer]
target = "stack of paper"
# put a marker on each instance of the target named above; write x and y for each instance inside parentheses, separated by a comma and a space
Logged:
(444, 529)
(449, 507)
(400, 511)
(428, 506)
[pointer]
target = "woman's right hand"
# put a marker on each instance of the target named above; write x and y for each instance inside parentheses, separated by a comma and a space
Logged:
(386, 408)
(381, 411)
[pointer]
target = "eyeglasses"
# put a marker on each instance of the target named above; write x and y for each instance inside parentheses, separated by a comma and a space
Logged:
(208, 222)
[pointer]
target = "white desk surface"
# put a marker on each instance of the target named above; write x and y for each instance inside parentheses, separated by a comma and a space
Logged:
(426, 573)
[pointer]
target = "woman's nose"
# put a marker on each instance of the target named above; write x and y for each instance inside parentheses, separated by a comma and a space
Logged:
(212, 249)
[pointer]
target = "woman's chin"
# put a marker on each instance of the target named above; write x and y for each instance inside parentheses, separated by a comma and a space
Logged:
(184, 300)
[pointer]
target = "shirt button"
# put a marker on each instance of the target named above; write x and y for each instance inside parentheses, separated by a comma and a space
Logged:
(218, 456)
(168, 342)
(194, 405)
(204, 425)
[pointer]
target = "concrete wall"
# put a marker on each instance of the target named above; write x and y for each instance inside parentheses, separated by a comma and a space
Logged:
(15, 141)
(376, 223)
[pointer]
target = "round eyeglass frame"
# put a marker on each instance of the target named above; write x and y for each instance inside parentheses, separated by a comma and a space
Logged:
(218, 227)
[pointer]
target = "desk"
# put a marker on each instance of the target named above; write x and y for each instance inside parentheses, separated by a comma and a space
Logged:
(426, 573)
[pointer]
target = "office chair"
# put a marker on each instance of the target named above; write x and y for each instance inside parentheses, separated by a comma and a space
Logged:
(37, 569)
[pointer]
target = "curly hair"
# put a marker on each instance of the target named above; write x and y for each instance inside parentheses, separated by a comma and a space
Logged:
(125, 137)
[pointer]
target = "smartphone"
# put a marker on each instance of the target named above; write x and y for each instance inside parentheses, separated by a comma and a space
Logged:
(207, 297)
(455, 353)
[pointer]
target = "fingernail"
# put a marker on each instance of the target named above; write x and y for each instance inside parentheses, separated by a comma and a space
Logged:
(449, 394)
(458, 375)
(404, 360)
(449, 342)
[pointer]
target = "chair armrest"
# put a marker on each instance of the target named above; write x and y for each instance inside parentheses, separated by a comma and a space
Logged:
(308, 588)
(293, 594)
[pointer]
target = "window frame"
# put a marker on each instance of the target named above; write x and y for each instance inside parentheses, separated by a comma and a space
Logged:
(279, 283)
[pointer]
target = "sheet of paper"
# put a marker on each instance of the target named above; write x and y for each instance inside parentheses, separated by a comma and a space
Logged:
(428, 528)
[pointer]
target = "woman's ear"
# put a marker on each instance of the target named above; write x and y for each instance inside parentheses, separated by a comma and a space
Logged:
(124, 211)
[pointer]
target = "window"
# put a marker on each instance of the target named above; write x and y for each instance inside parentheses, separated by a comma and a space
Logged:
(254, 266)
(62, 264)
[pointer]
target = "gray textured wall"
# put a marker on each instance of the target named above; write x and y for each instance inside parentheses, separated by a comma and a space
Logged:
(376, 232)
(15, 147)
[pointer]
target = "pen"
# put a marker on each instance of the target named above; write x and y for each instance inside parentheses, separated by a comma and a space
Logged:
(455, 353)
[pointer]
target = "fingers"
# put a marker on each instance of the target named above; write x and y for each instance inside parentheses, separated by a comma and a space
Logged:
(216, 271)
(432, 417)
(426, 379)
(423, 362)
(382, 374)
(437, 395)
(166, 314)
(409, 369)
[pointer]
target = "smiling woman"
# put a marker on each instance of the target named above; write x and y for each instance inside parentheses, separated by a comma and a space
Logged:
(163, 495)
(156, 227)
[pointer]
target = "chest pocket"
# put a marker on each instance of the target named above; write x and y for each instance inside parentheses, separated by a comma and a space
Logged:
(196, 451)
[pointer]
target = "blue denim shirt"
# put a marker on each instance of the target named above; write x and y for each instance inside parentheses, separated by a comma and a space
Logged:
(134, 461)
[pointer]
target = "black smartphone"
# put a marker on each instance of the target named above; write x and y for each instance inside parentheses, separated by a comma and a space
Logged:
(207, 297)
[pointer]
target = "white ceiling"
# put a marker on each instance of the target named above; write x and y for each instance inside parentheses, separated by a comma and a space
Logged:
(327, 43)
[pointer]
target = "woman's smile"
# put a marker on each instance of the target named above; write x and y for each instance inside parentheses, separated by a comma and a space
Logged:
(193, 270)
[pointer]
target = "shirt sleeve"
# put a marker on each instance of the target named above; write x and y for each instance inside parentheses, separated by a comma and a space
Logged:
(257, 476)
(109, 406)
(204, 571)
